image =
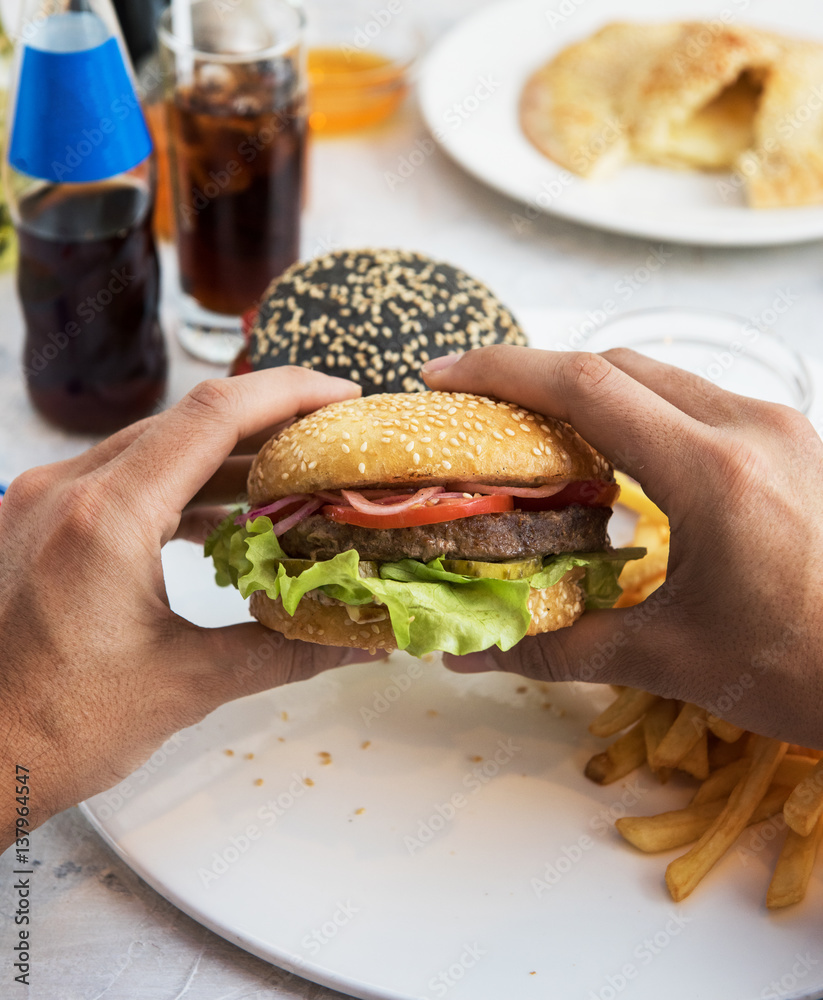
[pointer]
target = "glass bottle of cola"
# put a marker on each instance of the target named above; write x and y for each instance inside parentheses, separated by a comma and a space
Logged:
(79, 176)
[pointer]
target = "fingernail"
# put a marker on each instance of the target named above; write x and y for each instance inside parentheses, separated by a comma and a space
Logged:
(441, 364)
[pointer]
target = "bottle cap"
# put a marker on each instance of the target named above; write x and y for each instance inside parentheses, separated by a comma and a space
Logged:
(77, 117)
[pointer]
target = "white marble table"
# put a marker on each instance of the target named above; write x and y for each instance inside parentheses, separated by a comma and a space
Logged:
(100, 931)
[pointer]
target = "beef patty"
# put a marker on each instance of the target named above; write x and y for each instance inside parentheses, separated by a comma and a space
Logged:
(515, 534)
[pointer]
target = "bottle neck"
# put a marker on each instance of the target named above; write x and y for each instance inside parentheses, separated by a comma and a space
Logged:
(78, 212)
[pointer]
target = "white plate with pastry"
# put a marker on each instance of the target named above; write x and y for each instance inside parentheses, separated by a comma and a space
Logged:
(662, 131)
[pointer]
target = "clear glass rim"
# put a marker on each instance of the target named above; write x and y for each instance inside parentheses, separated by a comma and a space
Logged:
(791, 365)
(181, 47)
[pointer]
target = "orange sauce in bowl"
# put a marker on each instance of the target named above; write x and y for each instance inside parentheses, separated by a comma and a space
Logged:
(351, 89)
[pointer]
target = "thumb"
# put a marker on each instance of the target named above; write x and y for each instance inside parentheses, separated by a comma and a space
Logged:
(602, 647)
(240, 660)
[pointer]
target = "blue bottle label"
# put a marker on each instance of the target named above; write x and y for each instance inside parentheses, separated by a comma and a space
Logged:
(78, 118)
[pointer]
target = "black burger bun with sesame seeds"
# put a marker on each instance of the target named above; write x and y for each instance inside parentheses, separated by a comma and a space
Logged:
(375, 317)
(409, 441)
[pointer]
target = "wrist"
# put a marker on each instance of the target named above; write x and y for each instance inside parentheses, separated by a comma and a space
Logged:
(24, 796)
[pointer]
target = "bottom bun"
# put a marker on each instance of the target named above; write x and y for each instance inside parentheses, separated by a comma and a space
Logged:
(326, 624)
(330, 625)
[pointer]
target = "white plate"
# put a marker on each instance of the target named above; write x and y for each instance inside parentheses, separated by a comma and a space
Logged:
(517, 888)
(469, 92)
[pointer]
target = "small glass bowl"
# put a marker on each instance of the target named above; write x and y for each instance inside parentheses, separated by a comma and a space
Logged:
(726, 349)
(361, 58)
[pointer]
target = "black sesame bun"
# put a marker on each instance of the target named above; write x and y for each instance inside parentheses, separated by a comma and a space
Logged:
(375, 317)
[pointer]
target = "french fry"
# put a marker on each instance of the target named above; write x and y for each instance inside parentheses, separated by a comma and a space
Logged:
(633, 497)
(641, 577)
(726, 731)
(696, 761)
(668, 830)
(805, 805)
(625, 755)
(637, 573)
(686, 872)
(629, 706)
(656, 723)
(806, 752)
(721, 783)
(794, 868)
(721, 753)
(652, 834)
(650, 587)
(652, 534)
(688, 728)
(628, 599)
(793, 769)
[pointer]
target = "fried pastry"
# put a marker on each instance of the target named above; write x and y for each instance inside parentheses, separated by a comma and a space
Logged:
(689, 95)
(571, 108)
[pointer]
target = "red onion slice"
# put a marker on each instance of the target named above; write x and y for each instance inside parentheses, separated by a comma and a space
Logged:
(397, 498)
(271, 508)
(380, 494)
(359, 502)
(299, 515)
(512, 491)
(328, 497)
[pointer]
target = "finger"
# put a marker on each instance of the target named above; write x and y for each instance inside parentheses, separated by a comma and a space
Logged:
(227, 485)
(228, 663)
(196, 525)
(632, 426)
(184, 447)
(102, 453)
(633, 646)
(696, 396)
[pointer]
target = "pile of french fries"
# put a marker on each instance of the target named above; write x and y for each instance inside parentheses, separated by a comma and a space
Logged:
(744, 778)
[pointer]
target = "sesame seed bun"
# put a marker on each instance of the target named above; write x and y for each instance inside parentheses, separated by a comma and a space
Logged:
(330, 625)
(430, 438)
(375, 317)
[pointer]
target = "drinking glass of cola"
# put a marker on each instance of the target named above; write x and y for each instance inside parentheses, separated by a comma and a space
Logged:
(235, 93)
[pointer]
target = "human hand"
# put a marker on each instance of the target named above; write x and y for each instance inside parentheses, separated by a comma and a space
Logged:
(738, 626)
(96, 670)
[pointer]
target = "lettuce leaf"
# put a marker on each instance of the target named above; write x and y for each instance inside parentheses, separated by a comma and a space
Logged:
(430, 608)
(600, 580)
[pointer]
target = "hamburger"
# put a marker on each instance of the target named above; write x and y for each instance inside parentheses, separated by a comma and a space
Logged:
(423, 521)
(374, 316)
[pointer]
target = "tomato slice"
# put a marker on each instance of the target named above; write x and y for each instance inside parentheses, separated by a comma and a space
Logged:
(445, 510)
(241, 364)
(589, 493)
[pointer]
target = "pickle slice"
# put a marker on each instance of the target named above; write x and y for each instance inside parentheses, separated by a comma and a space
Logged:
(515, 570)
(294, 567)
